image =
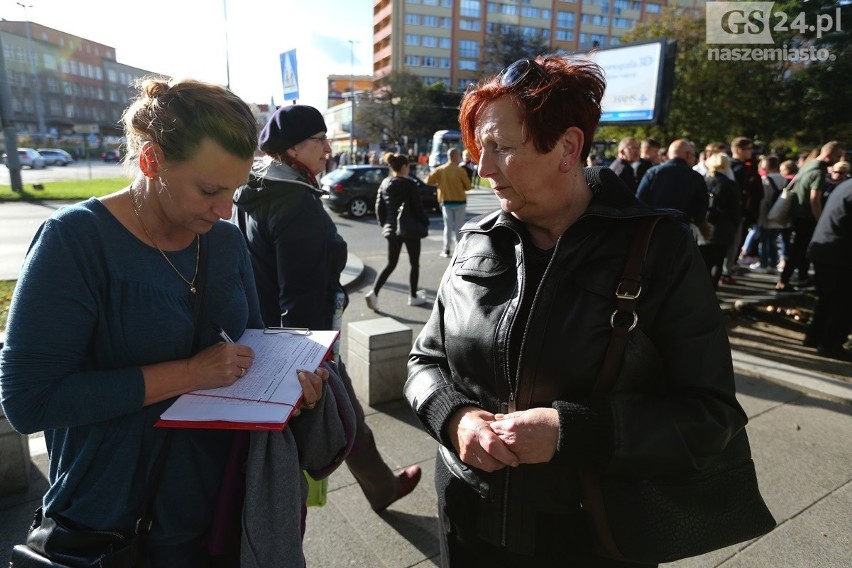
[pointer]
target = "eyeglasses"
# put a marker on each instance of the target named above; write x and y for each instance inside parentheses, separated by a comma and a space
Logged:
(322, 138)
(518, 71)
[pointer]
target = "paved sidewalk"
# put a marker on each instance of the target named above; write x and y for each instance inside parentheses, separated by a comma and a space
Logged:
(799, 429)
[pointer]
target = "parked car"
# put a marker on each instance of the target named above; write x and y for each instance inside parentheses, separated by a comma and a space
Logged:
(111, 156)
(28, 158)
(351, 190)
(55, 156)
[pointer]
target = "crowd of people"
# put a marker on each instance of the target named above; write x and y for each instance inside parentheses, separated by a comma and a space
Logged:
(729, 192)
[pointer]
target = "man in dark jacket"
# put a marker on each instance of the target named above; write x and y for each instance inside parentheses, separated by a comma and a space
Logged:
(649, 156)
(747, 178)
(830, 250)
(675, 185)
(628, 152)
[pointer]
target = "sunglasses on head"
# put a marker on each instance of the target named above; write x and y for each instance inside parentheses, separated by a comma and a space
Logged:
(518, 71)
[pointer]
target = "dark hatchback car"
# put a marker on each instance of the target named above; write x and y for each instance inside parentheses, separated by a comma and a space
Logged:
(111, 156)
(351, 190)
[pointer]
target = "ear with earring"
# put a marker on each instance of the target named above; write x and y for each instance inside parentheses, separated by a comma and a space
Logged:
(148, 162)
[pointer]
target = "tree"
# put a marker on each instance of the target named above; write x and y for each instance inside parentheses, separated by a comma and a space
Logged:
(508, 45)
(820, 114)
(403, 107)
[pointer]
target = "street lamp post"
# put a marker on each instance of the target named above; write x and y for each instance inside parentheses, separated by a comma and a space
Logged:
(227, 56)
(352, 43)
(35, 78)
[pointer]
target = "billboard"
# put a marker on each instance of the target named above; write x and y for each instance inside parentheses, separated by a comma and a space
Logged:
(639, 79)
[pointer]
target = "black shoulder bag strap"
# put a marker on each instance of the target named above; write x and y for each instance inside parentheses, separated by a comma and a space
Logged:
(777, 192)
(146, 519)
(624, 318)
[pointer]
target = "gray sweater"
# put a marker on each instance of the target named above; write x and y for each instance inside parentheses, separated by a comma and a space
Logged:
(317, 442)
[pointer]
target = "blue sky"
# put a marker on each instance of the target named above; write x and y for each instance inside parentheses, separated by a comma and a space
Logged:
(190, 38)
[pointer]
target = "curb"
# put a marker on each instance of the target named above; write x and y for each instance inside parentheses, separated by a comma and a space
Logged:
(795, 378)
(353, 272)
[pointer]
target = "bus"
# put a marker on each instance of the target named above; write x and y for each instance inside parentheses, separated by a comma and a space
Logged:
(442, 141)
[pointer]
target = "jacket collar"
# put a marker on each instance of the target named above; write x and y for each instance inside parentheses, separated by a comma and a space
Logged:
(610, 198)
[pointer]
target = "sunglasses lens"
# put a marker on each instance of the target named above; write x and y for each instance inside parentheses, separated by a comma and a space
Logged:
(512, 74)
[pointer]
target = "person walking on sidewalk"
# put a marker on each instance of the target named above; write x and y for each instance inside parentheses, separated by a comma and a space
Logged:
(398, 190)
(805, 211)
(453, 183)
(298, 256)
(830, 250)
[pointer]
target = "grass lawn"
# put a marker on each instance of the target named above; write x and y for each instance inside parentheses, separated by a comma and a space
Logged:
(6, 287)
(74, 190)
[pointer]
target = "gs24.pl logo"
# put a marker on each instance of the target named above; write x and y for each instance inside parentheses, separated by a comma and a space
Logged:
(754, 22)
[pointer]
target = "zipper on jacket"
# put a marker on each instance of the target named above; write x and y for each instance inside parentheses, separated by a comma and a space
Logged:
(515, 388)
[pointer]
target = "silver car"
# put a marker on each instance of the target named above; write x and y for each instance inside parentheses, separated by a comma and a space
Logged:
(55, 156)
(28, 158)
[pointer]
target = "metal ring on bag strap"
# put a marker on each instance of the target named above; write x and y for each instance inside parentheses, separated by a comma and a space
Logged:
(632, 325)
(626, 298)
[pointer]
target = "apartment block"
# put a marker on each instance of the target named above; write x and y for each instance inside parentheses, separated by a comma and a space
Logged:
(58, 81)
(443, 40)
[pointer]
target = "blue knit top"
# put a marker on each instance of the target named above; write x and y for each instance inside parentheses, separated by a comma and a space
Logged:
(94, 303)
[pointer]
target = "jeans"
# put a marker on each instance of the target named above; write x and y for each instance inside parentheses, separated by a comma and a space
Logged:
(453, 220)
(750, 243)
(769, 247)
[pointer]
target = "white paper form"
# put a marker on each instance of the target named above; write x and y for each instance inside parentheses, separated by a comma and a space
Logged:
(277, 357)
(269, 390)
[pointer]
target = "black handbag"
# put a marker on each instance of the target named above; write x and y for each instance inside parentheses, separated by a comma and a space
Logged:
(50, 543)
(661, 520)
(408, 226)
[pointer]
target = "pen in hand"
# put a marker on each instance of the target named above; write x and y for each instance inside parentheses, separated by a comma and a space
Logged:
(221, 332)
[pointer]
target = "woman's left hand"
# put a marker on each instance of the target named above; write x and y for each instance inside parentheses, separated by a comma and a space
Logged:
(312, 387)
(531, 434)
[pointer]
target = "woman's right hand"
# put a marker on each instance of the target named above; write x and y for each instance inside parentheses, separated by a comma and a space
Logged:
(220, 365)
(476, 444)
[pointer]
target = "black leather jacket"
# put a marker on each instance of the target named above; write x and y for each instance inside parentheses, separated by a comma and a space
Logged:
(673, 407)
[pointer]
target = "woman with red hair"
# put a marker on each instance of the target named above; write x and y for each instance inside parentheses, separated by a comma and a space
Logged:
(503, 374)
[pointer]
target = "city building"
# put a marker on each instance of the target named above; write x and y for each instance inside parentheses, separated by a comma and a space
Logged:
(338, 117)
(443, 40)
(66, 90)
(61, 83)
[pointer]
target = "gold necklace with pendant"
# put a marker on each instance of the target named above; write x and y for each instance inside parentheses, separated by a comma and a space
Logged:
(190, 283)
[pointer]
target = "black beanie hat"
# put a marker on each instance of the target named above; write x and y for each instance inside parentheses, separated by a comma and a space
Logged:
(290, 125)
